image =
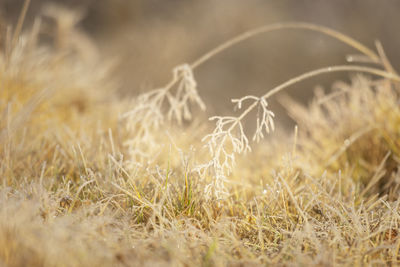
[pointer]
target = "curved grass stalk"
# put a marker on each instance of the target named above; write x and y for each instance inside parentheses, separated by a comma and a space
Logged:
(287, 25)
(340, 68)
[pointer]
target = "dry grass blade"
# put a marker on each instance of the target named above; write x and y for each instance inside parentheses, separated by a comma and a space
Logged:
(20, 22)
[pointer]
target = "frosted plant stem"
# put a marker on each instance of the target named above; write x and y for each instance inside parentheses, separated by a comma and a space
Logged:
(247, 111)
(340, 68)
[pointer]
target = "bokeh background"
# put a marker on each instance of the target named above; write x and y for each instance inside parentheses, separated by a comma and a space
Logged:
(149, 37)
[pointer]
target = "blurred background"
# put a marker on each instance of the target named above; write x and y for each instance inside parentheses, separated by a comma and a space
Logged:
(150, 37)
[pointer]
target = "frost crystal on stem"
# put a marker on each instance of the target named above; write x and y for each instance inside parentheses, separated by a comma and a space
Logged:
(229, 139)
(265, 120)
(265, 116)
(186, 93)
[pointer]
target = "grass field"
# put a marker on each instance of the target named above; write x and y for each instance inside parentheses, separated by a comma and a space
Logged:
(91, 179)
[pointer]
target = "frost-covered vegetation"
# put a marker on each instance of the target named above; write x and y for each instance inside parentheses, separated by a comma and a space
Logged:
(90, 179)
